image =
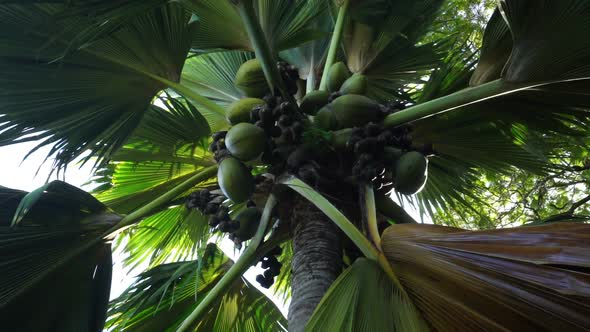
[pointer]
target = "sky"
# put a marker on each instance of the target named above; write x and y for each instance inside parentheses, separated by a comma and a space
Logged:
(27, 175)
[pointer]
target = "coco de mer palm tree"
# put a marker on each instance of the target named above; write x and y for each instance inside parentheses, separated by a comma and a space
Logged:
(287, 127)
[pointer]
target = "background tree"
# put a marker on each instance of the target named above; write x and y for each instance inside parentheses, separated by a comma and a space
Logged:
(146, 90)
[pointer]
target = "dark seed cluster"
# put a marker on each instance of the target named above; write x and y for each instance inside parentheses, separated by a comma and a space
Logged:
(290, 75)
(372, 164)
(211, 204)
(218, 146)
(283, 128)
(272, 268)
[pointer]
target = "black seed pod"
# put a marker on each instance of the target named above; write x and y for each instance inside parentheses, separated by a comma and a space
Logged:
(219, 135)
(211, 208)
(297, 128)
(275, 270)
(385, 137)
(285, 120)
(268, 274)
(275, 131)
(373, 129)
(214, 221)
(276, 251)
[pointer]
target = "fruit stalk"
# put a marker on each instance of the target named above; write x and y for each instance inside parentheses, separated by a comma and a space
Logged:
(450, 102)
(262, 50)
(241, 265)
(371, 214)
(151, 207)
(334, 43)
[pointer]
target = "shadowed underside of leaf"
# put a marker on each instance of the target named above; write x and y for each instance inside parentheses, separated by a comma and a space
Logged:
(39, 276)
(89, 99)
(518, 279)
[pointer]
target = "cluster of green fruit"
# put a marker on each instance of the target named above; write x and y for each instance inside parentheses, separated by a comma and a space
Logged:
(272, 267)
(265, 129)
(268, 130)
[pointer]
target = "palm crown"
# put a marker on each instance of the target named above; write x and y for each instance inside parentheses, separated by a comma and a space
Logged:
(146, 90)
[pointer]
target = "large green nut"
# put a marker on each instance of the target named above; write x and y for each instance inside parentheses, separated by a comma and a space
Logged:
(239, 111)
(337, 74)
(314, 101)
(249, 219)
(355, 85)
(325, 119)
(245, 141)
(411, 173)
(250, 79)
(355, 110)
(235, 180)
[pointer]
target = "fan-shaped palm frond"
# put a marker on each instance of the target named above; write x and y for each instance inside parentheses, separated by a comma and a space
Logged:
(364, 299)
(175, 234)
(212, 76)
(164, 295)
(91, 99)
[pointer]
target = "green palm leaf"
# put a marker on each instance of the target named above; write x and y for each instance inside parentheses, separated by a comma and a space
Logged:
(363, 298)
(39, 265)
(175, 234)
(212, 76)
(285, 23)
(93, 98)
(163, 296)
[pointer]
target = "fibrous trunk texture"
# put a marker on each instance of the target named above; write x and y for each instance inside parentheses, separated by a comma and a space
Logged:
(317, 261)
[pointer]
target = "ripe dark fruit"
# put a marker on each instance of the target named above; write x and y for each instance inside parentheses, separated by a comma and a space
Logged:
(245, 141)
(260, 279)
(300, 156)
(411, 173)
(276, 251)
(235, 180)
(219, 135)
(275, 270)
(373, 129)
(247, 222)
(214, 221)
(211, 208)
(268, 274)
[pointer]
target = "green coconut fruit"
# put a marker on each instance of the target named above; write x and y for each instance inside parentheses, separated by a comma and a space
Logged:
(235, 180)
(314, 101)
(249, 219)
(325, 119)
(337, 74)
(239, 111)
(411, 173)
(251, 80)
(356, 85)
(355, 110)
(245, 141)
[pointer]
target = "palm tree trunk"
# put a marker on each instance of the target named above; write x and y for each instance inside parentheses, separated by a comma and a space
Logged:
(317, 261)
